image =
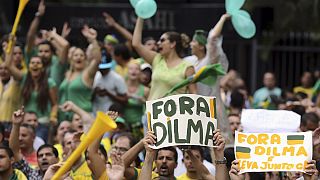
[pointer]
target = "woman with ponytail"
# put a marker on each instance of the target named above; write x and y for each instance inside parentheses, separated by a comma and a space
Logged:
(168, 68)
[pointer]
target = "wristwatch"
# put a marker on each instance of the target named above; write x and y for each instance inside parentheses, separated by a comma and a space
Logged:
(224, 161)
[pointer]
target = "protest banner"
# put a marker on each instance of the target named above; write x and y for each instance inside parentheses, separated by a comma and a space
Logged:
(264, 152)
(269, 121)
(185, 119)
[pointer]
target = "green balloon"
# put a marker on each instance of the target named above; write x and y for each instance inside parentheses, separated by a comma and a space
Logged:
(243, 24)
(233, 5)
(146, 8)
(134, 3)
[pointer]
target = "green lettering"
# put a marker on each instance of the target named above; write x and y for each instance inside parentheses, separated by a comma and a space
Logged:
(176, 133)
(205, 108)
(186, 104)
(196, 128)
(169, 131)
(155, 109)
(163, 127)
(209, 134)
(173, 108)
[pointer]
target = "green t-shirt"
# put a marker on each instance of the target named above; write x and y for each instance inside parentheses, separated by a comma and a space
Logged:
(77, 92)
(134, 109)
(32, 104)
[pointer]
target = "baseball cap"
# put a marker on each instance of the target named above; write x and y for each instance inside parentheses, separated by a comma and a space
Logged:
(145, 66)
(106, 60)
(111, 39)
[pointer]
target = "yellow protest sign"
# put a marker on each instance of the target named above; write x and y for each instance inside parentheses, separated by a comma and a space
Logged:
(263, 152)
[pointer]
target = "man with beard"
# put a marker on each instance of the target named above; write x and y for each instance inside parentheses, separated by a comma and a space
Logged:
(46, 154)
(6, 169)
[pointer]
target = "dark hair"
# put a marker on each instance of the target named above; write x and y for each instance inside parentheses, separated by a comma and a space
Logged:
(43, 92)
(172, 149)
(147, 39)
(53, 149)
(2, 129)
(123, 51)
(181, 41)
(31, 112)
(299, 109)
(29, 127)
(301, 95)
(197, 148)
(117, 107)
(102, 150)
(312, 117)
(45, 42)
(237, 99)
(8, 150)
(127, 135)
(233, 114)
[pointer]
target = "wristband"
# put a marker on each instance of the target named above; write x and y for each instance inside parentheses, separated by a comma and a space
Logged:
(224, 161)
(37, 14)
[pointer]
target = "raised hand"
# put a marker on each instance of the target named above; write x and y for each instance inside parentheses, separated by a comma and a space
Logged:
(234, 171)
(67, 106)
(316, 136)
(109, 19)
(311, 171)
(18, 116)
(41, 8)
(66, 29)
(149, 140)
(220, 142)
(116, 170)
(89, 33)
(112, 114)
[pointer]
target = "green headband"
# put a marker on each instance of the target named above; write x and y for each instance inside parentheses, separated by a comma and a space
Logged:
(111, 39)
(201, 37)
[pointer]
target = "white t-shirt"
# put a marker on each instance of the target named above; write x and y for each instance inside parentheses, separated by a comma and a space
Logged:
(113, 83)
(37, 143)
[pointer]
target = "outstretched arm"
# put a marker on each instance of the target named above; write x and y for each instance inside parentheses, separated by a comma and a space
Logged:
(31, 35)
(94, 55)
(146, 172)
(221, 168)
(60, 44)
(14, 71)
(17, 119)
(144, 52)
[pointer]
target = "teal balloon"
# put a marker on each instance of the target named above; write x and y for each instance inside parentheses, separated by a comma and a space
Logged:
(243, 24)
(134, 3)
(146, 8)
(233, 5)
(243, 13)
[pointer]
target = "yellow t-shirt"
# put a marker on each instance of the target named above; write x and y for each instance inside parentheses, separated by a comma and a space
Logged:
(60, 151)
(122, 71)
(308, 91)
(10, 99)
(106, 143)
(82, 173)
(19, 175)
(137, 173)
(184, 177)
(104, 176)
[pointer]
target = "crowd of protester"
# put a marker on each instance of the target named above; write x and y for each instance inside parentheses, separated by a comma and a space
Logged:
(51, 91)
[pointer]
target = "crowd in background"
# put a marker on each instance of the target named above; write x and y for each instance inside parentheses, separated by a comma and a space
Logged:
(51, 91)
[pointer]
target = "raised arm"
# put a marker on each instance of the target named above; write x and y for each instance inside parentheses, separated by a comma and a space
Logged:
(60, 44)
(17, 119)
(221, 168)
(31, 35)
(94, 52)
(146, 172)
(214, 45)
(144, 52)
(16, 73)
(54, 105)
(200, 167)
(120, 29)
(85, 116)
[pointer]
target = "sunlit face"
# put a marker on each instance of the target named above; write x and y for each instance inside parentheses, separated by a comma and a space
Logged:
(165, 163)
(133, 71)
(164, 45)
(78, 59)
(17, 55)
(234, 123)
(187, 160)
(35, 66)
(196, 47)
(151, 45)
(46, 158)
(4, 73)
(45, 52)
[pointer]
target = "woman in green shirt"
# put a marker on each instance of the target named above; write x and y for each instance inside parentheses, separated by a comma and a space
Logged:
(77, 85)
